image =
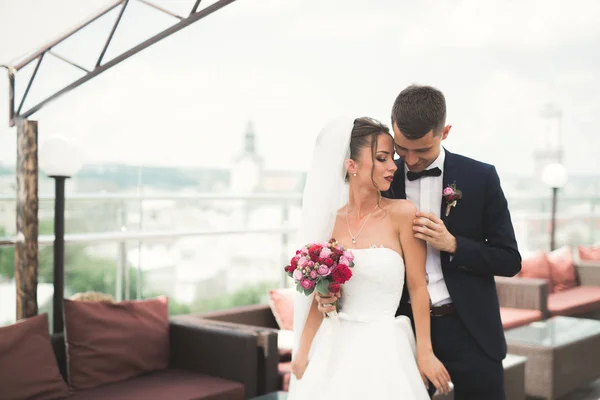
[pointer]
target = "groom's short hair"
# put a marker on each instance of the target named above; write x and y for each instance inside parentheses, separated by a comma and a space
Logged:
(418, 110)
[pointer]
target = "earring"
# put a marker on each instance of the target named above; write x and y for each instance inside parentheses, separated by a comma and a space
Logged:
(354, 174)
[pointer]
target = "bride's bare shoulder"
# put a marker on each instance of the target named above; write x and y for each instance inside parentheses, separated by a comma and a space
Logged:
(399, 208)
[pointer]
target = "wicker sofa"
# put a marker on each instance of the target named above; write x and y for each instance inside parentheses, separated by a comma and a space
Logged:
(524, 299)
(201, 366)
(259, 320)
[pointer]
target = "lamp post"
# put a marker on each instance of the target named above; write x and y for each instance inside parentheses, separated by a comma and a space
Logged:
(555, 177)
(60, 160)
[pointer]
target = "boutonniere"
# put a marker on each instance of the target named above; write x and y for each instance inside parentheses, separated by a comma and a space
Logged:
(451, 194)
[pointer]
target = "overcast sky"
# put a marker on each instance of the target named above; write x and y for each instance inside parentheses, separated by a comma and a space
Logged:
(291, 65)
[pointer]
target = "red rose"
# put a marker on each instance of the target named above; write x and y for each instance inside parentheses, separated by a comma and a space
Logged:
(290, 268)
(294, 262)
(328, 262)
(334, 287)
(341, 274)
(314, 251)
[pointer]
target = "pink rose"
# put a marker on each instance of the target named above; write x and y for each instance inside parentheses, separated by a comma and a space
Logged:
(307, 284)
(298, 274)
(323, 270)
(448, 191)
(349, 256)
(313, 274)
(344, 261)
(325, 253)
(311, 264)
(302, 262)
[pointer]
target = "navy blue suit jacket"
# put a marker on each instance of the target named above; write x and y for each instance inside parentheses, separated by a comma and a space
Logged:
(486, 246)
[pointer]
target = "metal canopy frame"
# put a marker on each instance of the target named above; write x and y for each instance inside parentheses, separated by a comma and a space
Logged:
(16, 112)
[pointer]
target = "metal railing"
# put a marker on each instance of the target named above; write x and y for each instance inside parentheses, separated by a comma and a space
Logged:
(125, 236)
(526, 221)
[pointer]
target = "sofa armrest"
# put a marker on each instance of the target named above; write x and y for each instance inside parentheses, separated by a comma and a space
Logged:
(255, 315)
(524, 293)
(588, 273)
(266, 349)
(216, 351)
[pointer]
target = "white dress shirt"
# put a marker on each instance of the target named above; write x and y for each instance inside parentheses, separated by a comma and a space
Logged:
(426, 195)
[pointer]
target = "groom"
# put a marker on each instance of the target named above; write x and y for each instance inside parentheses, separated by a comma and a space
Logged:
(463, 216)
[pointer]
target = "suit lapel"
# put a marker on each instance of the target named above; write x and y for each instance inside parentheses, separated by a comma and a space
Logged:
(449, 178)
(399, 184)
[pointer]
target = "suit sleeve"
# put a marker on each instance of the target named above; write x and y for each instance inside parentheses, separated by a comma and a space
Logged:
(499, 254)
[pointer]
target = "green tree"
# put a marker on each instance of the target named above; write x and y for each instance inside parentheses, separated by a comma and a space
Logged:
(7, 259)
(255, 294)
(82, 271)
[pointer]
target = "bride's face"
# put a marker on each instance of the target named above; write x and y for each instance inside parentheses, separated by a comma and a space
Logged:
(376, 169)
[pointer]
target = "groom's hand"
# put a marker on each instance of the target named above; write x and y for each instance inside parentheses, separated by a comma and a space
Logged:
(431, 229)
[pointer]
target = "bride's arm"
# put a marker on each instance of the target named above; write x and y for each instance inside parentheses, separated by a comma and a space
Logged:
(415, 253)
(312, 325)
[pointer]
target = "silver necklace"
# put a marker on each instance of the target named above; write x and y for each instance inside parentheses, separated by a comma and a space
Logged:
(361, 228)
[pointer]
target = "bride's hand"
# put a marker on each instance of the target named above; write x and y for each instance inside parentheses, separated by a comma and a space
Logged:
(433, 370)
(299, 364)
(326, 303)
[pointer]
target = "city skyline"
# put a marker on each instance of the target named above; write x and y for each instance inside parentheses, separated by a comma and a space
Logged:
(186, 101)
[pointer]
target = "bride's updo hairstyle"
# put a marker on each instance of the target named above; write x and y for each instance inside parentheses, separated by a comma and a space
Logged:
(364, 134)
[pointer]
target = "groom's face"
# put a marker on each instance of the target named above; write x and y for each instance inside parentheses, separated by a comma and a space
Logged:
(418, 154)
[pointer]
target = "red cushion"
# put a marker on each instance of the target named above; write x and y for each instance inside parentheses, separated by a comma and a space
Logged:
(170, 384)
(110, 342)
(589, 253)
(579, 300)
(281, 302)
(285, 372)
(514, 317)
(562, 269)
(28, 368)
(536, 266)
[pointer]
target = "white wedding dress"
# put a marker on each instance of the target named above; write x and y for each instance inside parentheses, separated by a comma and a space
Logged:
(366, 353)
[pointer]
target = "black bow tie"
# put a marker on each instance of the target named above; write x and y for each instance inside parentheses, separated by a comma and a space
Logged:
(413, 176)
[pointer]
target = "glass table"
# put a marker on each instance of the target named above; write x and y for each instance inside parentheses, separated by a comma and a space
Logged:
(563, 353)
(272, 396)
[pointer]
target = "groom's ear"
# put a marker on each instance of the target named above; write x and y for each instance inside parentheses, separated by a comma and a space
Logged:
(446, 131)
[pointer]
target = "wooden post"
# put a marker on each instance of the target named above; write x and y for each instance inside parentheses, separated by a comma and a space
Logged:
(26, 248)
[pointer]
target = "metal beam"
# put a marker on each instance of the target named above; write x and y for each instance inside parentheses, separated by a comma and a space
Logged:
(161, 9)
(112, 32)
(37, 66)
(67, 61)
(167, 32)
(195, 7)
(11, 96)
(70, 33)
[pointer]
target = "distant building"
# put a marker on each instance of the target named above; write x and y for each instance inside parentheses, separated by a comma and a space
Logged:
(248, 174)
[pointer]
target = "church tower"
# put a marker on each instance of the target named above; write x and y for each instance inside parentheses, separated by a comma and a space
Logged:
(247, 167)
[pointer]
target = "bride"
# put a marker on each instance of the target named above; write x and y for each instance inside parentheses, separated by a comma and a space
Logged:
(363, 351)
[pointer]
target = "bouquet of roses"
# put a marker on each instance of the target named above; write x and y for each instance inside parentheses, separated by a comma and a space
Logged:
(324, 266)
